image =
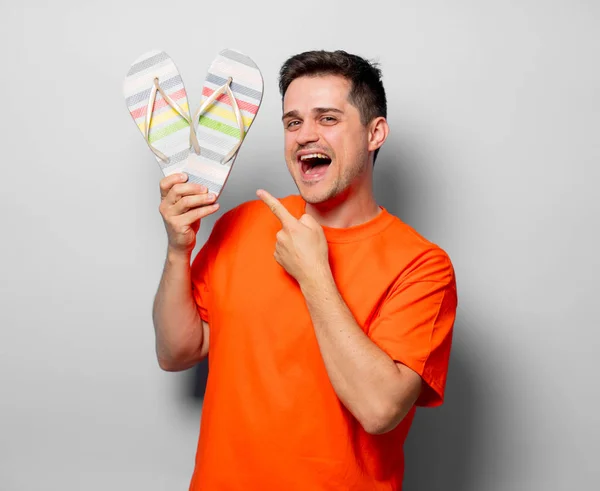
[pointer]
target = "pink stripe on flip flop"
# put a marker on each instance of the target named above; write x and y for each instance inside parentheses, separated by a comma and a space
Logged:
(224, 98)
(141, 111)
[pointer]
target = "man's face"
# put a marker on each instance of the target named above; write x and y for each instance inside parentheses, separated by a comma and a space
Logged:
(326, 145)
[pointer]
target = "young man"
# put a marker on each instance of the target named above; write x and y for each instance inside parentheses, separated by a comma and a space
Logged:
(327, 319)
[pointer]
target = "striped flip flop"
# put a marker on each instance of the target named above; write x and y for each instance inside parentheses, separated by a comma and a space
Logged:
(157, 101)
(231, 97)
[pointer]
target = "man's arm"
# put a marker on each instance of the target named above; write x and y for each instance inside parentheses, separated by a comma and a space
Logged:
(181, 334)
(378, 391)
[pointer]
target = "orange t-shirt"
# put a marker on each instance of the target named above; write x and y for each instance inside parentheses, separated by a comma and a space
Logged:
(271, 419)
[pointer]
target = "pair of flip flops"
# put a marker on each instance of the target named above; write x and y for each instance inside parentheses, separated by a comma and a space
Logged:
(203, 144)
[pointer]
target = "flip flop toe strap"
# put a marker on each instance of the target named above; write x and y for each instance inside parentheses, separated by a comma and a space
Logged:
(149, 113)
(225, 89)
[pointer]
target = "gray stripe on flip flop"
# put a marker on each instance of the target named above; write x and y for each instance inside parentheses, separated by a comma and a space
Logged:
(180, 156)
(134, 99)
(175, 159)
(239, 57)
(210, 155)
(212, 186)
(207, 136)
(214, 79)
(147, 63)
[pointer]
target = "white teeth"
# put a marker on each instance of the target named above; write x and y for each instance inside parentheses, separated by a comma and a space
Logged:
(314, 156)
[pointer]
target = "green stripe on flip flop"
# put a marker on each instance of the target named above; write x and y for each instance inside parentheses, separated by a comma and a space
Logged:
(167, 130)
(217, 126)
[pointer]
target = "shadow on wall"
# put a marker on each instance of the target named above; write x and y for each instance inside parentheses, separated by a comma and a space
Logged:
(441, 443)
(198, 381)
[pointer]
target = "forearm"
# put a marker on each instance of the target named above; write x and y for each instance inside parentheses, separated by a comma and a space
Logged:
(177, 323)
(365, 378)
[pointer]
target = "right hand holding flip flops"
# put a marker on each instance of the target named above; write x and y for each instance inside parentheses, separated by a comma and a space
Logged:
(182, 207)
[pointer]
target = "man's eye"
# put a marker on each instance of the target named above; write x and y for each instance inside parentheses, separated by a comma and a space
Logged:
(290, 124)
(328, 119)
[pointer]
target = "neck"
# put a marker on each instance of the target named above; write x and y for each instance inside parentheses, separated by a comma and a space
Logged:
(350, 208)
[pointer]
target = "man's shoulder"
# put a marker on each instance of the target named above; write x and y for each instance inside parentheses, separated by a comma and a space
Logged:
(415, 247)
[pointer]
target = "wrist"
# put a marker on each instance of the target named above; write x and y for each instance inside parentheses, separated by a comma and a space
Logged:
(176, 256)
(318, 280)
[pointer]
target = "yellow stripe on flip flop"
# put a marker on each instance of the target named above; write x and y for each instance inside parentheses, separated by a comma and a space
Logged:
(227, 114)
(162, 118)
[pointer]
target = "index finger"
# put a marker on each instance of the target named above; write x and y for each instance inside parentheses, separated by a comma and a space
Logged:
(280, 211)
(166, 183)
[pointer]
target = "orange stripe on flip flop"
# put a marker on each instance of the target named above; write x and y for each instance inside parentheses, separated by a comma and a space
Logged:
(141, 111)
(224, 98)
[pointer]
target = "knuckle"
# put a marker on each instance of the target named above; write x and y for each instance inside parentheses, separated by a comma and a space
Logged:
(186, 201)
(167, 183)
(164, 209)
(171, 197)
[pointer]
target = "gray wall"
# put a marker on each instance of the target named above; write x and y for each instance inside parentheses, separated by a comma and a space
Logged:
(494, 154)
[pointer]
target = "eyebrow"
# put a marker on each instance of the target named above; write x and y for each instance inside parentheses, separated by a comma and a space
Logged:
(316, 110)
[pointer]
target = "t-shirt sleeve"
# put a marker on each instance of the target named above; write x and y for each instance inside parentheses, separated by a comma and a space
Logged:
(415, 323)
(203, 264)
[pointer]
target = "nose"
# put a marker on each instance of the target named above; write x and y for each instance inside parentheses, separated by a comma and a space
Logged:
(307, 133)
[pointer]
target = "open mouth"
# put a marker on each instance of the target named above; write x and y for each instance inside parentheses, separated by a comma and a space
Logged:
(314, 164)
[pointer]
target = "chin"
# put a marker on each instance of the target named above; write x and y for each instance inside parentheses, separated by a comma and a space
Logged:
(313, 199)
(317, 194)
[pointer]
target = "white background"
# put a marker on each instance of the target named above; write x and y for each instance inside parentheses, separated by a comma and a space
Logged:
(494, 154)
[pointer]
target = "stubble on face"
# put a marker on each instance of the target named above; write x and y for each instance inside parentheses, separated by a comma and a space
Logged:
(344, 142)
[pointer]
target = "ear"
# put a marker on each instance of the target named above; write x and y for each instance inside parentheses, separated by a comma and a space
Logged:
(378, 133)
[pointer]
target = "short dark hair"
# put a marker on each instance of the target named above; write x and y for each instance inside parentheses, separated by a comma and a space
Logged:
(366, 88)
